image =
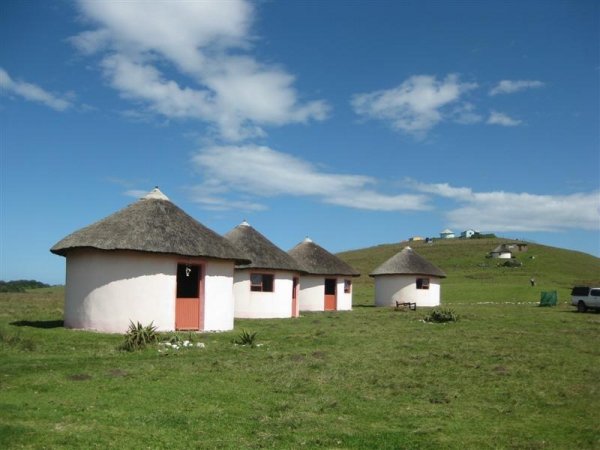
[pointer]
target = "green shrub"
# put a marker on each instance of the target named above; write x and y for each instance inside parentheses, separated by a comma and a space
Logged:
(246, 338)
(138, 336)
(441, 316)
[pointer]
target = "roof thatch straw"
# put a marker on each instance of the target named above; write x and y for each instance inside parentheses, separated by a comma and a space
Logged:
(315, 260)
(152, 224)
(408, 262)
(258, 249)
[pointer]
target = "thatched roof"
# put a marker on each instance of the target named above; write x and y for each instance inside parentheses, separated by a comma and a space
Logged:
(408, 262)
(315, 260)
(258, 249)
(152, 224)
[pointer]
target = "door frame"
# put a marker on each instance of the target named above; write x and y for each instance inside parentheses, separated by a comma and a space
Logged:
(201, 274)
(334, 294)
(295, 292)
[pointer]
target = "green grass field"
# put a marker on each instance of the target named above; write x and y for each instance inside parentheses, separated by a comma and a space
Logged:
(506, 375)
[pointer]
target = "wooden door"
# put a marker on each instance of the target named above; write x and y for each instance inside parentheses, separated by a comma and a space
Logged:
(295, 287)
(189, 304)
(330, 294)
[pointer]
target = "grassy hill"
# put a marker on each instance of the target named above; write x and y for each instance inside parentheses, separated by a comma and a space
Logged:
(503, 376)
(473, 278)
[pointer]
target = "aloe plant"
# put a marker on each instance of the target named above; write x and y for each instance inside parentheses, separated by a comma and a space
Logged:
(246, 338)
(138, 336)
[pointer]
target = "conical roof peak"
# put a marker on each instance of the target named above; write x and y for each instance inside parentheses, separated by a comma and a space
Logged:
(155, 194)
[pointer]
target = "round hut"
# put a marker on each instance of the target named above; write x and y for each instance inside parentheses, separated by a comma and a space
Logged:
(267, 287)
(149, 262)
(407, 277)
(326, 284)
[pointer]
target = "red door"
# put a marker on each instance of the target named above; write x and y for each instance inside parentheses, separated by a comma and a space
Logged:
(330, 294)
(295, 286)
(189, 304)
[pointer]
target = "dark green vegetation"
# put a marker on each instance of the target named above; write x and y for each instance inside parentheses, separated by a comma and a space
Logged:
(505, 375)
(139, 337)
(20, 285)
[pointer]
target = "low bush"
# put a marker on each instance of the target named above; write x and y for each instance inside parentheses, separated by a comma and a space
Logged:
(441, 316)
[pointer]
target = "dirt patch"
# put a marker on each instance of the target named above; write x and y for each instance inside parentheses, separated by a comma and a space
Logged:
(116, 373)
(80, 377)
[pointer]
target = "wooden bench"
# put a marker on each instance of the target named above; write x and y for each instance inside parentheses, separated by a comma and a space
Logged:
(412, 306)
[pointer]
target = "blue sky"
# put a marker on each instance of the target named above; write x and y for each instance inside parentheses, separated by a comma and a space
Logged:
(354, 123)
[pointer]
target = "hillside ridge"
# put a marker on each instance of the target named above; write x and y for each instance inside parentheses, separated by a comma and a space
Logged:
(473, 277)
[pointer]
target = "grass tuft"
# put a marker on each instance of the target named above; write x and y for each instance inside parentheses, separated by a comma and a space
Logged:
(441, 316)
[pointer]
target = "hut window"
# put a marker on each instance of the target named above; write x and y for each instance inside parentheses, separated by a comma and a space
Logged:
(347, 286)
(262, 282)
(422, 283)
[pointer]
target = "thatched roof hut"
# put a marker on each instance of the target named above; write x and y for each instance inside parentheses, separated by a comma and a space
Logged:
(315, 260)
(262, 253)
(407, 277)
(325, 284)
(267, 287)
(152, 224)
(149, 262)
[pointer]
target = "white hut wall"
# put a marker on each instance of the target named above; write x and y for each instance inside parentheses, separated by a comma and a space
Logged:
(262, 305)
(343, 298)
(107, 290)
(311, 296)
(403, 288)
(218, 296)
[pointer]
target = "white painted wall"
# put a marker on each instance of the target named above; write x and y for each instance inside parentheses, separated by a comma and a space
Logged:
(105, 290)
(344, 301)
(403, 288)
(312, 294)
(262, 305)
(218, 296)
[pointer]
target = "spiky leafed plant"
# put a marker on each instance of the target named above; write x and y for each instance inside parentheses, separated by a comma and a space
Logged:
(138, 336)
(246, 338)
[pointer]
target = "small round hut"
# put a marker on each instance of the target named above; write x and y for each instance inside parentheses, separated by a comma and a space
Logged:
(149, 262)
(407, 277)
(267, 287)
(326, 284)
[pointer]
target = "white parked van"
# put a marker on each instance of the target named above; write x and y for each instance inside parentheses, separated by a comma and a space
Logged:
(585, 297)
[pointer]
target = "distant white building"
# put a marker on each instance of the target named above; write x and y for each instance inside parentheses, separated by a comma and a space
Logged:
(467, 234)
(502, 252)
(447, 234)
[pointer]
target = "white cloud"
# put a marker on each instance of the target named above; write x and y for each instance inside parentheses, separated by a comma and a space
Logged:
(497, 118)
(510, 86)
(207, 44)
(417, 104)
(259, 171)
(508, 211)
(32, 92)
